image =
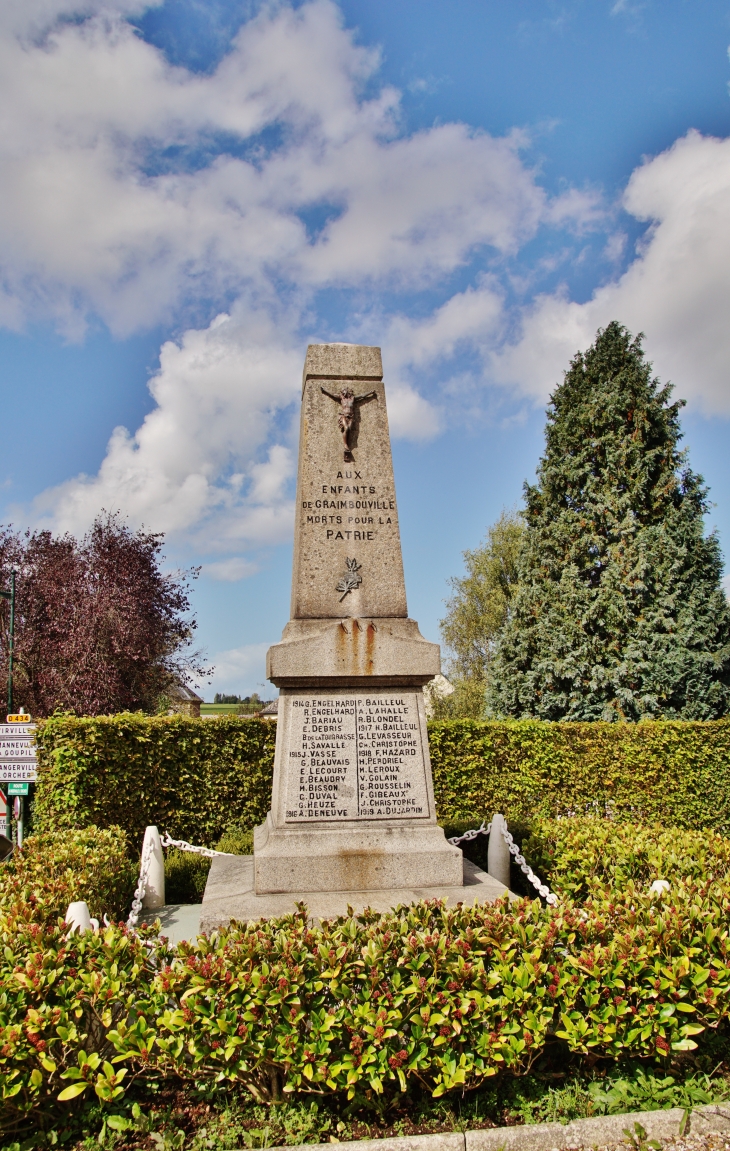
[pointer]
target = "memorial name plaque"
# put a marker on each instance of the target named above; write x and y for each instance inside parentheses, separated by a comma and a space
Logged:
(356, 756)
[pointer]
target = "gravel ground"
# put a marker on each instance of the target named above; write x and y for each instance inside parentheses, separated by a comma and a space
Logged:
(710, 1142)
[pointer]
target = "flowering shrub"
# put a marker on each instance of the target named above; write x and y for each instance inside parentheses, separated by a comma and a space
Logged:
(367, 1007)
(60, 999)
(580, 855)
(364, 1007)
(57, 867)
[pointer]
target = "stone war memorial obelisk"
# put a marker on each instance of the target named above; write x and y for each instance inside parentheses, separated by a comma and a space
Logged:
(352, 817)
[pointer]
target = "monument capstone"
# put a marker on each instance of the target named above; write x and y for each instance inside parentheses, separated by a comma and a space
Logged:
(352, 805)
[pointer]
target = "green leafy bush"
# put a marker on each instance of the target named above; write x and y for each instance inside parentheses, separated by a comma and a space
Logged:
(61, 998)
(643, 1091)
(674, 773)
(367, 1008)
(196, 777)
(578, 856)
(191, 777)
(59, 867)
(185, 876)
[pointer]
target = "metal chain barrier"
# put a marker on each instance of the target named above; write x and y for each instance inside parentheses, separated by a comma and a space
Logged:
(141, 884)
(524, 866)
(149, 847)
(183, 845)
(469, 835)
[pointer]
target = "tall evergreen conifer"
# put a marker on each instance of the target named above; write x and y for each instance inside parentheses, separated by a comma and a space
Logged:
(620, 613)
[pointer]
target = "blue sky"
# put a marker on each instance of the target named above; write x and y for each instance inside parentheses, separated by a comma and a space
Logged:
(193, 191)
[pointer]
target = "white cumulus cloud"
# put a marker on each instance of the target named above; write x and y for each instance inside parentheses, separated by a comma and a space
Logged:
(240, 670)
(294, 176)
(230, 570)
(194, 466)
(98, 222)
(675, 290)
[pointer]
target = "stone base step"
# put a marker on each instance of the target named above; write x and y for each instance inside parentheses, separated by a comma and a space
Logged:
(229, 894)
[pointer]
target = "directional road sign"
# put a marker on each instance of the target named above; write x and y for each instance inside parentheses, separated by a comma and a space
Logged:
(18, 760)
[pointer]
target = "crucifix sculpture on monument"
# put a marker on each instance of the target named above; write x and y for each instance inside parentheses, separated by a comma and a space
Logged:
(353, 817)
(346, 418)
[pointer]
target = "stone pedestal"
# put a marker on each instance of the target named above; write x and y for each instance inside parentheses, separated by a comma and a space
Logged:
(352, 805)
(230, 894)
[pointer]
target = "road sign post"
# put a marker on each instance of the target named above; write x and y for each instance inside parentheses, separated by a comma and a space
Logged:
(18, 766)
(18, 812)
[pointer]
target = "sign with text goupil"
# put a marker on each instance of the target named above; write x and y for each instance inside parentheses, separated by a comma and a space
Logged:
(18, 759)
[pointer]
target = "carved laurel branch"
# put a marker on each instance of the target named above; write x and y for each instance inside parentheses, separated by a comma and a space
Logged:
(351, 579)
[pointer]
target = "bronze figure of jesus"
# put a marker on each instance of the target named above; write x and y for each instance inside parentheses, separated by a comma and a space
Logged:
(346, 419)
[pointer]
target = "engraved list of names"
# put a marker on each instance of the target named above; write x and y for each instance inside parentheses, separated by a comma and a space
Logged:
(355, 755)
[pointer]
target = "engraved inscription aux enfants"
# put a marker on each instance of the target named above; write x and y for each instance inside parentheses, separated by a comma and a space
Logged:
(341, 498)
(358, 758)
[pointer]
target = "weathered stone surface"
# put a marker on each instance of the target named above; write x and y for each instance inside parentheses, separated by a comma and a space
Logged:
(606, 1130)
(346, 758)
(599, 1131)
(443, 1141)
(352, 804)
(331, 652)
(451, 1141)
(342, 362)
(178, 921)
(345, 510)
(353, 755)
(353, 859)
(230, 894)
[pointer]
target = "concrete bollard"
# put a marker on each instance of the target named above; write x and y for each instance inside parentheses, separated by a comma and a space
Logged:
(498, 856)
(154, 892)
(78, 918)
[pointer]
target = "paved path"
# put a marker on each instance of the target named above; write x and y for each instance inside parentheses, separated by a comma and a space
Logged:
(179, 921)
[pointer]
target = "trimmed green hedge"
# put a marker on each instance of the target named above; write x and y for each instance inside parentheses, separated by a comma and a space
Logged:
(370, 1009)
(668, 772)
(195, 778)
(192, 777)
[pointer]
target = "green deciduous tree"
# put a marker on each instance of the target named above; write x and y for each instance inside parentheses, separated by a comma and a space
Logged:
(620, 613)
(476, 613)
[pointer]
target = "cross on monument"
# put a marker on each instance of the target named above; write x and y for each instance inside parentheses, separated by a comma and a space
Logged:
(348, 402)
